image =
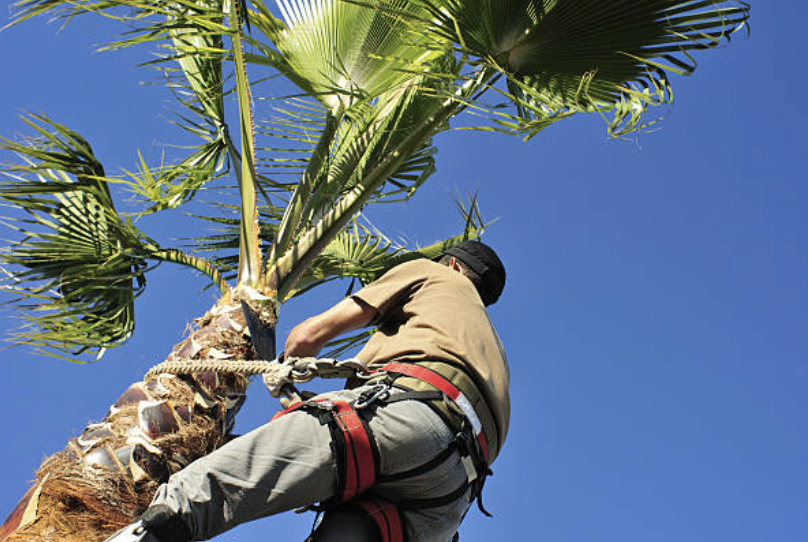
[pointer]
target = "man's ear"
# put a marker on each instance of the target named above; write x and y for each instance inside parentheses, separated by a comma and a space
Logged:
(454, 264)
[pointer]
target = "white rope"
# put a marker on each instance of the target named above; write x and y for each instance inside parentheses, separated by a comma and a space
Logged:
(276, 375)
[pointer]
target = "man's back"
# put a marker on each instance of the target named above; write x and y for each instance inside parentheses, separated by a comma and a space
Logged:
(428, 312)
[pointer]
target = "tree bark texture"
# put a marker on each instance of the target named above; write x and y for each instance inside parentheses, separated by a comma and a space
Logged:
(106, 477)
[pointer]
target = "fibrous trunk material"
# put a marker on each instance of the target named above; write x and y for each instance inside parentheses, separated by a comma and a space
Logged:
(104, 478)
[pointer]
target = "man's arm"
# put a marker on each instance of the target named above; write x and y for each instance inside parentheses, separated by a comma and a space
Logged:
(308, 337)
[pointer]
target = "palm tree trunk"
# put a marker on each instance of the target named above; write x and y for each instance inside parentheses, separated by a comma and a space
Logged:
(106, 477)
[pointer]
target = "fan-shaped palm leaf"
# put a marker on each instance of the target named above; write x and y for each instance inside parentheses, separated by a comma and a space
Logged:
(77, 264)
(342, 51)
(81, 265)
(564, 56)
(190, 33)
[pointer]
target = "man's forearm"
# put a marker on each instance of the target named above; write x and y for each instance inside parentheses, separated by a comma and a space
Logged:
(308, 337)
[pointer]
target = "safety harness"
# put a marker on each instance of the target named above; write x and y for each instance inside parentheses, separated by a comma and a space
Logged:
(460, 406)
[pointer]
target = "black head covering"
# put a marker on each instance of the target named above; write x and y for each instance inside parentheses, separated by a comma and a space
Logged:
(482, 259)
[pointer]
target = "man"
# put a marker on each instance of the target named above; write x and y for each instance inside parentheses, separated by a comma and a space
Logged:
(398, 458)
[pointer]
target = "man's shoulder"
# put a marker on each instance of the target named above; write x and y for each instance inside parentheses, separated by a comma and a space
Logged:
(417, 265)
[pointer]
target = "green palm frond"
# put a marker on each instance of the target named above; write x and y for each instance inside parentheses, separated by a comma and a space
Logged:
(76, 265)
(565, 56)
(169, 185)
(342, 51)
(359, 252)
(375, 131)
(395, 129)
(364, 253)
(408, 178)
(365, 140)
(192, 40)
(139, 14)
(293, 128)
(190, 36)
(221, 240)
(197, 45)
(331, 166)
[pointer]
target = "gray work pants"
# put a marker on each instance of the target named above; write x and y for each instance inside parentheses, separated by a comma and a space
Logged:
(288, 463)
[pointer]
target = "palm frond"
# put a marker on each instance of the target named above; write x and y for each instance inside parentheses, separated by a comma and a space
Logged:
(78, 266)
(566, 56)
(74, 265)
(190, 36)
(362, 252)
(342, 52)
(292, 130)
(139, 14)
(170, 185)
(375, 131)
(397, 128)
(221, 239)
(196, 43)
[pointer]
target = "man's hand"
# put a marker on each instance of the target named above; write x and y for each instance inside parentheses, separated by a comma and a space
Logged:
(308, 337)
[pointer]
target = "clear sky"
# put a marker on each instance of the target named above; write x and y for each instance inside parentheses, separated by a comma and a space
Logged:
(655, 313)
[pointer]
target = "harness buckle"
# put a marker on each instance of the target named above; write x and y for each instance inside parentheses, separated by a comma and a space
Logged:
(466, 451)
(468, 464)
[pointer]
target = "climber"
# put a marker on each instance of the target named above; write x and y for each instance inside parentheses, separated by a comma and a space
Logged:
(399, 457)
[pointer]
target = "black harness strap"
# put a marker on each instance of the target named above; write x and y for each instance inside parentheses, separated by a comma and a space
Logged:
(417, 504)
(421, 469)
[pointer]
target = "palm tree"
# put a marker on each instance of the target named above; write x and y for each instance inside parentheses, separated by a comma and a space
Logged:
(376, 80)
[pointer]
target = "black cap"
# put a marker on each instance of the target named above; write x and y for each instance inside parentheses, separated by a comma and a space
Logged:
(484, 261)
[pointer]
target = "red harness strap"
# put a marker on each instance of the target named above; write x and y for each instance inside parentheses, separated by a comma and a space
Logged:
(292, 409)
(354, 445)
(386, 516)
(360, 463)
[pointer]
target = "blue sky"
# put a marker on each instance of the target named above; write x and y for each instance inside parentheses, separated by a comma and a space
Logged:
(655, 313)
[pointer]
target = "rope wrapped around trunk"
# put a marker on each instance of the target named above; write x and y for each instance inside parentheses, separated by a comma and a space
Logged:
(278, 376)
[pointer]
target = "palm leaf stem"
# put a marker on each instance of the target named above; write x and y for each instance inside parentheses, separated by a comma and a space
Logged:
(249, 273)
(205, 267)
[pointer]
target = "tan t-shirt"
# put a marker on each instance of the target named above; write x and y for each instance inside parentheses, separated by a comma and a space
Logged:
(430, 312)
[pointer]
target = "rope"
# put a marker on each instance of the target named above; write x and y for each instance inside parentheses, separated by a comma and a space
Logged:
(277, 375)
(188, 366)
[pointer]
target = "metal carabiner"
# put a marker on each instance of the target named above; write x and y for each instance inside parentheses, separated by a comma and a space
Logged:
(378, 392)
